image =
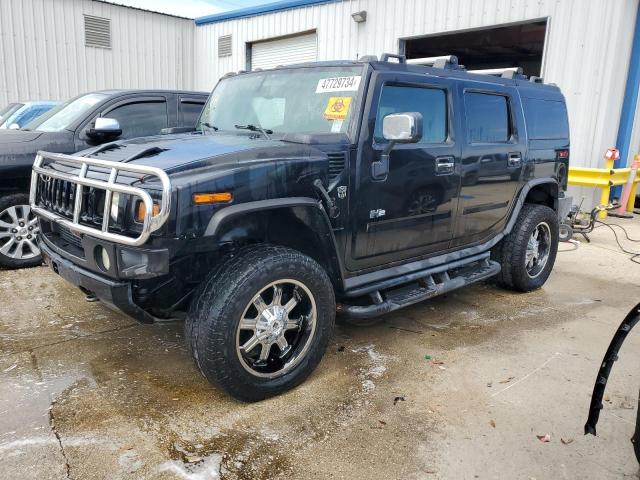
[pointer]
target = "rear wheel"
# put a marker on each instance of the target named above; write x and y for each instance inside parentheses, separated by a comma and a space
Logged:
(261, 323)
(528, 253)
(18, 231)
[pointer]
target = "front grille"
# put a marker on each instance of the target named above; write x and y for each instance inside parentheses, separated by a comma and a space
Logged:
(337, 162)
(59, 196)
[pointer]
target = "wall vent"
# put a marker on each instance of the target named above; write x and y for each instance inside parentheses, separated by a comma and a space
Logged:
(224, 46)
(97, 32)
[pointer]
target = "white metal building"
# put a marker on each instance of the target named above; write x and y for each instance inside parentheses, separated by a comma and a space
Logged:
(57, 49)
(54, 49)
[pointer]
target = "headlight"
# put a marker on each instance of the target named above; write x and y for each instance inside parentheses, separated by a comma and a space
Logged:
(141, 211)
(115, 207)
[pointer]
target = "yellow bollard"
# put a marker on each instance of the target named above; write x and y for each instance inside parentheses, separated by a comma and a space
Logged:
(609, 158)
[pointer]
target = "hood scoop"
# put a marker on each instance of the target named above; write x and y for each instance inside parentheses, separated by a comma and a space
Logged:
(117, 152)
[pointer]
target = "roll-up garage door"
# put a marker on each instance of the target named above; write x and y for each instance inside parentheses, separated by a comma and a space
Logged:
(284, 51)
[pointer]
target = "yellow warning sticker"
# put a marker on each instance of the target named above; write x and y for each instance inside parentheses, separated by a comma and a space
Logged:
(337, 108)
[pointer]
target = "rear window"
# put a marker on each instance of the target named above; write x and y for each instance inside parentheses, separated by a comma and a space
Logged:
(546, 119)
(487, 118)
(190, 112)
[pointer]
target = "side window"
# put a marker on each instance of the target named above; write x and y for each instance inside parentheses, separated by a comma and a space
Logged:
(140, 119)
(430, 102)
(487, 118)
(546, 119)
(190, 112)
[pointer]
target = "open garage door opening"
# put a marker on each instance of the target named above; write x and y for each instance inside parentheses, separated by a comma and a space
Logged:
(520, 45)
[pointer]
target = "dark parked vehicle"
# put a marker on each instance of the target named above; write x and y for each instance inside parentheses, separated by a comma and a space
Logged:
(88, 120)
(310, 189)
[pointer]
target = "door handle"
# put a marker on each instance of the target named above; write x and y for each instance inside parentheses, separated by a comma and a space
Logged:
(515, 159)
(445, 165)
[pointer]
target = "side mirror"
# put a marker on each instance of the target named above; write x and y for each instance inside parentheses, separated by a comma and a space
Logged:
(396, 128)
(402, 127)
(14, 126)
(104, 129)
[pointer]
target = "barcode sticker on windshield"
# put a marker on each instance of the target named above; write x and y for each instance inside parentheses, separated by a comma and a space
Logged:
(338, 84)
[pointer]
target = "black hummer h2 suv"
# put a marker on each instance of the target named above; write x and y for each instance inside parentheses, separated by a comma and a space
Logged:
(357, 186)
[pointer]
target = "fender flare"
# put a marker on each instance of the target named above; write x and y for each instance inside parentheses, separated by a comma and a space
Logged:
(325, 231)
(522, 196)
(232, 211)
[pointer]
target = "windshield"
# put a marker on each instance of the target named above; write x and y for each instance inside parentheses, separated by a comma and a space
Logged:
(62, 116)
(300, 100)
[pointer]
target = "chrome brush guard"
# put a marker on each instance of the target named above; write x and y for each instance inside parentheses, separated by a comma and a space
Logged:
(150, 223)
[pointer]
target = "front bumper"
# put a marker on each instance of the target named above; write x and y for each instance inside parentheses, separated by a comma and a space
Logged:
(115, 294)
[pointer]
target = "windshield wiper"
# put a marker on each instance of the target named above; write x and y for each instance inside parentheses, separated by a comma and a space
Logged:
(209, 126)
(256, 128)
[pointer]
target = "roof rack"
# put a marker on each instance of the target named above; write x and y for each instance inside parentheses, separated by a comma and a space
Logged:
(443, 61)
(509, 72)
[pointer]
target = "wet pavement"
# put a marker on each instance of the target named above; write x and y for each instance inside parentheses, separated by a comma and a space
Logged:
(86, 393)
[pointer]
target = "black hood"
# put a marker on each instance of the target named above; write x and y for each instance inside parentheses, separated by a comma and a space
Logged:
(174, 153)
(18, 136)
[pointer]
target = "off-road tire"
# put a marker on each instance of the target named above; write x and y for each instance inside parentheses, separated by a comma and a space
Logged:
(511, 251)
(6, 261)
(218, 304)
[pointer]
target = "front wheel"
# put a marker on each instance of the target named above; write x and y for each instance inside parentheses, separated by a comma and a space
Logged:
(262, 321)
(528, 253)
(18, 231)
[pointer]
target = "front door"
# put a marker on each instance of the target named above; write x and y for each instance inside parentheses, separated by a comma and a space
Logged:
(410, 212)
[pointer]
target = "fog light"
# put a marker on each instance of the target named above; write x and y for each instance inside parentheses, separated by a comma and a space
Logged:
(102, 258)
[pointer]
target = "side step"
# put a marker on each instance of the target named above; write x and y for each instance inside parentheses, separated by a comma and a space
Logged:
(426, 287)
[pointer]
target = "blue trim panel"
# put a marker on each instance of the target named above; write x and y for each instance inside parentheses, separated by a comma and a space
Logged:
(259, 10)
(630, 97)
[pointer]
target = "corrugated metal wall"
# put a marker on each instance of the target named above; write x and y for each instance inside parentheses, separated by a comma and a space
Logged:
(43, 55)
(587, 51)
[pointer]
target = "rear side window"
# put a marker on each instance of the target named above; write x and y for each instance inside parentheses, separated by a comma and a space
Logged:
(487, 118)
(190, 112)
(546, 119)
(430, 102)
(140, 119)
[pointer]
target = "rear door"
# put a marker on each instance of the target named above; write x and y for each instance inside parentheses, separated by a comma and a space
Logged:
(189, 109)
(493, 152)
(410, 212)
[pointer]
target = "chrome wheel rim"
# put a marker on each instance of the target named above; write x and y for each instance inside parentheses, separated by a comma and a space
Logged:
(276, 329)
(18, 230)
(538, 248)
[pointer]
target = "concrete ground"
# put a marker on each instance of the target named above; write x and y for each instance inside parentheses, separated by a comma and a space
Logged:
(86, 393)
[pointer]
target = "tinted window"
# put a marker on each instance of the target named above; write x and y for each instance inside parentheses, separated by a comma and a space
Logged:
(430, 102)
(140, 119)
(190, 113)
(546, 119)
(487, 118)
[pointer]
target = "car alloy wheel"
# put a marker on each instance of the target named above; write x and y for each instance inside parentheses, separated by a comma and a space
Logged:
(538, 248)
(18, 230)
(276, 329)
